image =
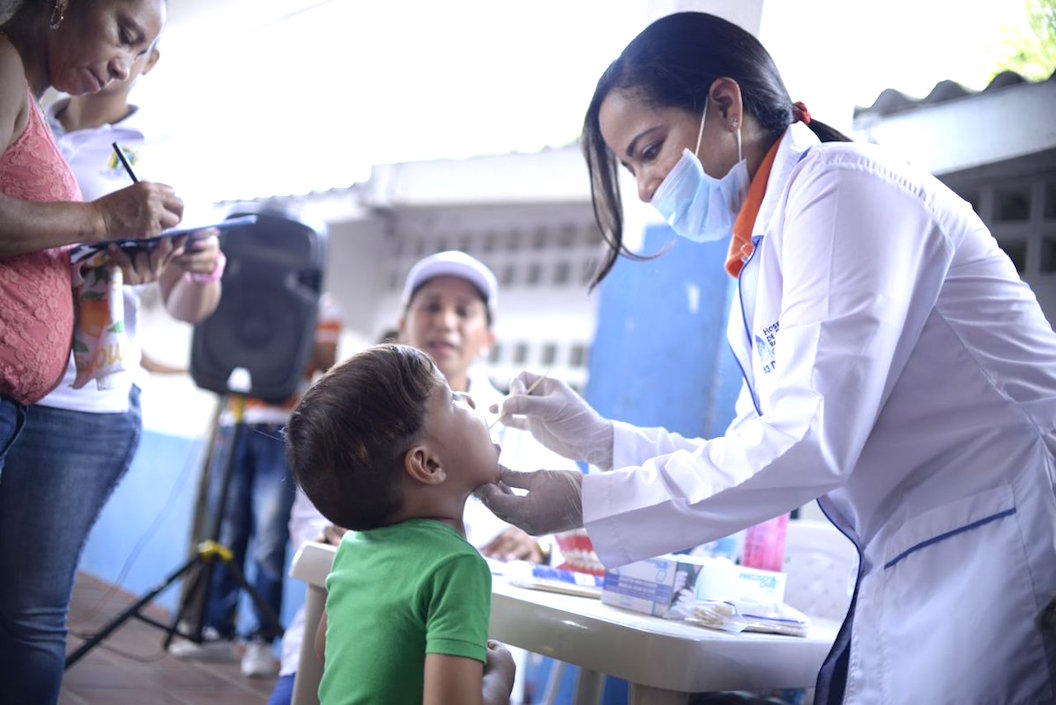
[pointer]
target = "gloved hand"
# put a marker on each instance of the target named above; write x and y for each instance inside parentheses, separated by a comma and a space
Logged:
(553, 503)
(558, 418)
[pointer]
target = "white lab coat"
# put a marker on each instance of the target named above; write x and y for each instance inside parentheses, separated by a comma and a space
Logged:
(899, 371)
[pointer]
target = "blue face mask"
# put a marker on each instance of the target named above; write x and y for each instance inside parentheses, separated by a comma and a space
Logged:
(697, 206)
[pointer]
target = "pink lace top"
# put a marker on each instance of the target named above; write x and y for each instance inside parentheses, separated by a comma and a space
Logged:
(36, 299)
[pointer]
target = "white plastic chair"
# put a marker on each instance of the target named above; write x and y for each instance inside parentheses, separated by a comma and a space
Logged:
(821, 564)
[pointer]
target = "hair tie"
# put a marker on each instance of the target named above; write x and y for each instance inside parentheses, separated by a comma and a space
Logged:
(804, 114)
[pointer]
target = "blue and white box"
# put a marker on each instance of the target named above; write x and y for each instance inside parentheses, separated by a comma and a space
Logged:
(656, 585)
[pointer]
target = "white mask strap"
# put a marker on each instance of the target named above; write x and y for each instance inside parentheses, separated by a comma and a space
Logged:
(700, 135)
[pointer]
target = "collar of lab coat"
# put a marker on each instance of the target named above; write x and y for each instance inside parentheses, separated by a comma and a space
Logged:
(798, 138)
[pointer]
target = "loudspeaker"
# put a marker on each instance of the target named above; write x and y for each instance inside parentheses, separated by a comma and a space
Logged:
(261, 335)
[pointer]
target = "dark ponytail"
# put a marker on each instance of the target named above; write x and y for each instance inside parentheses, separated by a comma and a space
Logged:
(672, 63)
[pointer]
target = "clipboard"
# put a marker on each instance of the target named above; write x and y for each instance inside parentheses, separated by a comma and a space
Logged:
(83, 252)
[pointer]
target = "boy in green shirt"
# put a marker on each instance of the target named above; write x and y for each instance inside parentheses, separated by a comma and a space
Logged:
(382, 446)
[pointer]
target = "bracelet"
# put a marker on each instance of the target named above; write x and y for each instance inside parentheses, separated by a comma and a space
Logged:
(218, 271)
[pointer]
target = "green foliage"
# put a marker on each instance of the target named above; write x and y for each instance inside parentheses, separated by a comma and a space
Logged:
(1031, 52)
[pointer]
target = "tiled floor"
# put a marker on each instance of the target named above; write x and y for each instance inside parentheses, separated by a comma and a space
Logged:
(129, 667)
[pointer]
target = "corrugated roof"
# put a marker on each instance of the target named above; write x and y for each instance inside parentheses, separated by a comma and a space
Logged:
(892, 101)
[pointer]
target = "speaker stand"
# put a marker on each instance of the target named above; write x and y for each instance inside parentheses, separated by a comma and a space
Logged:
(200, 566)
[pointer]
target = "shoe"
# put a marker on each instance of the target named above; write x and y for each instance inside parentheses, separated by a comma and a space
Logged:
(212, 648)
(259, 660)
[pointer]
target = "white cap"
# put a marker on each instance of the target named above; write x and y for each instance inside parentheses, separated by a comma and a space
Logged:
(453, 263)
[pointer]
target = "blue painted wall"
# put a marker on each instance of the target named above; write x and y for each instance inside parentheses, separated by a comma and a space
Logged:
(660, 355)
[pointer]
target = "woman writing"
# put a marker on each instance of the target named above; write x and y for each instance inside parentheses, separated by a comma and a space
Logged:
(77, 47)
(895, 368)
(52, 490)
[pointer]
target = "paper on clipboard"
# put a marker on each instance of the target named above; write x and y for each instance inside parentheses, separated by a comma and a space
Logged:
(82, 252)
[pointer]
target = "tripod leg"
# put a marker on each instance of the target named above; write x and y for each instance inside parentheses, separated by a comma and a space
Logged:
(132, 611)
(221, 552)
(191, 599)
(191, 589)
(265, 609)
(220, 457)
(211, 551)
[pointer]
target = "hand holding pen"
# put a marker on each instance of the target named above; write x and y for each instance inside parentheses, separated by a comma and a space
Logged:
(141, 210)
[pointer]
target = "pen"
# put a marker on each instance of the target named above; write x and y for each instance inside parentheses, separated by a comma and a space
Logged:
(526, 393)
(128, 167)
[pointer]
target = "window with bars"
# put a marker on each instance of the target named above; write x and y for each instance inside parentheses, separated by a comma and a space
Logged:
(1047, 265)
(1021, 214)
(509, 275)
(1012, 205)
(549, 355)
(577, 356)
(534, 274)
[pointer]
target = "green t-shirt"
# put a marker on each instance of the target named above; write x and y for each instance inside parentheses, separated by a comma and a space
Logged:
(394, 595)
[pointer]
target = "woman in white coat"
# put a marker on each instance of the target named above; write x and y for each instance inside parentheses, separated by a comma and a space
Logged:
(895, 368)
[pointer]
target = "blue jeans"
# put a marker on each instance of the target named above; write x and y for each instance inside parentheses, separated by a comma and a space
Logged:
(56, 478)
(259, 498)
(12, 418)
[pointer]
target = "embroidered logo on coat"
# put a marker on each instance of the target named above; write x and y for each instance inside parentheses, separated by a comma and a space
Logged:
(764, 346)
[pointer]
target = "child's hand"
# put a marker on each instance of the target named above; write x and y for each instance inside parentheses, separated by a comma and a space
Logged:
(200, 254)
(513, 545)
(332, 534)
(142, 265)
(498, 673)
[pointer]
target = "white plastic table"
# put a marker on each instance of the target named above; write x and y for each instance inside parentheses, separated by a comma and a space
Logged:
(662, 660)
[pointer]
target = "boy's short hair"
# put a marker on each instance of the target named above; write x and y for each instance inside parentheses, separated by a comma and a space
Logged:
(346, 440)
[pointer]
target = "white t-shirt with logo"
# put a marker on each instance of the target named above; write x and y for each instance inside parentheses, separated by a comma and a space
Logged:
(91, 156)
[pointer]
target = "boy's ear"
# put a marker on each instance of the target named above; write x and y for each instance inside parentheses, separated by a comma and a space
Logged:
(421, 465)
(151, 61)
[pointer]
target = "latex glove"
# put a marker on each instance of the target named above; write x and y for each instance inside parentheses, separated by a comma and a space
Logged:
(554, 501)
(558, 418)
(499, 671)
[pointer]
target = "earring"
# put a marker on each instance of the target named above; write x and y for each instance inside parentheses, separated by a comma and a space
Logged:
(58, 14)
